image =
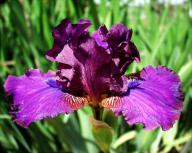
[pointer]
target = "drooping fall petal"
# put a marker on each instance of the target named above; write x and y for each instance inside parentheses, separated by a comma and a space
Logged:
(153, 99)
(36, 96)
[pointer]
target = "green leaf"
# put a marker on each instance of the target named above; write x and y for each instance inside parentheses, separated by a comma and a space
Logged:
(186, 72)
(86, 131)
(103, 134)
(156, 143)
(170, 135)
(124, 138)
(110, 118)
(142, 136)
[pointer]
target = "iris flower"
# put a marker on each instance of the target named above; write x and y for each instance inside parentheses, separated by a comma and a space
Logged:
(91, 71)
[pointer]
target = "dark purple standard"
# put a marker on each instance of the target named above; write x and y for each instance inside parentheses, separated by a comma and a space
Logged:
(91, 72)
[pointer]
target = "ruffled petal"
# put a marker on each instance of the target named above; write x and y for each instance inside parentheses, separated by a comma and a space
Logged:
(154, 98)
(69, 71)
(117, 41)
(88, 70)
(100, 36)
(118, 34)
(99, 72)
(67, 33)
(92, 65)
(36, 95)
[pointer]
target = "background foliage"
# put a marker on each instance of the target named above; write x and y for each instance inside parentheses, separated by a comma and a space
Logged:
(163, 34)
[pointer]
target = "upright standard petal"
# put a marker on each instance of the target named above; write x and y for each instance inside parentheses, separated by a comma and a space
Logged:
(154, 98)
(36, 96)
(118, 41)
(67, 33)
(92, 65)
(88, 70)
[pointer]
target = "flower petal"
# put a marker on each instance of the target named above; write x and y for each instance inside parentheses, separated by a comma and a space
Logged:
(118, 34)
(92, 65)
(99, 73)
(118, 41)
(67, 33)
(36, 96)
(153, 99)
(100, 36)
(89, 70)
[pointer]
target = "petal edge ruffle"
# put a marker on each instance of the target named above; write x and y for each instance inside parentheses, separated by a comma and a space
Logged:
(36, 95)
(155, 101)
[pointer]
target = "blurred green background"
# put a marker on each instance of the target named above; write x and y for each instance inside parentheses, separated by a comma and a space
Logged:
(162, 33)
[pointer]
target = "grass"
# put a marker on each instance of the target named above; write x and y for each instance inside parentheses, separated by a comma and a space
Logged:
(163, 35)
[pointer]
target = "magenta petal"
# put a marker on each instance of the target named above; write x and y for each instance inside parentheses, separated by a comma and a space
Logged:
(36, 96)
(153, 99)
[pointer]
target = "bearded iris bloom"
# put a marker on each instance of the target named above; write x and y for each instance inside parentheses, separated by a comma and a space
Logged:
(91, 71)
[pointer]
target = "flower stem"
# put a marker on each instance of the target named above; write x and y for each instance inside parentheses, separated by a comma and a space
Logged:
(97, 113)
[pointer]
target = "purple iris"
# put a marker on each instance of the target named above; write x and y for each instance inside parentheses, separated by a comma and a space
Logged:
(91, 72)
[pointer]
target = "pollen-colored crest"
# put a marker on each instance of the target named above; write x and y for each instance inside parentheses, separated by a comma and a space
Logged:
(74, 102)
(111, 102)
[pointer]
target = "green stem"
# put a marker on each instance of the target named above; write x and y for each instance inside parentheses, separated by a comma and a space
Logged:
(97, 113)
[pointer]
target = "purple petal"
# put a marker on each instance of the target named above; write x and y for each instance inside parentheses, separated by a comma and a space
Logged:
(81, 27)
(118, 41)
(153, 99)
(36, 96)
(67, 33)
(92, 65)
(99, 73)
(89, 69)
(119, 38)
(100, 36)
(70, 70)
(118, 34)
